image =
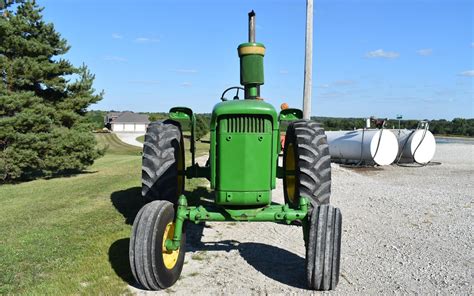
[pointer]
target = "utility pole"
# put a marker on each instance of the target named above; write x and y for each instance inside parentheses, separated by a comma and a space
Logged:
(308, 61)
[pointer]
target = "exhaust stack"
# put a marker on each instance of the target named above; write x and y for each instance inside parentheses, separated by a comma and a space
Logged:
(252, 27)
(251, 62)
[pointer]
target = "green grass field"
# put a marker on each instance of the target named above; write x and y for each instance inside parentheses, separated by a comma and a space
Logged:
(115, 146)
(141, 139)
(70, 235)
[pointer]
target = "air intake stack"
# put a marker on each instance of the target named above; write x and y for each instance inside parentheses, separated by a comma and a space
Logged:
(251, 62)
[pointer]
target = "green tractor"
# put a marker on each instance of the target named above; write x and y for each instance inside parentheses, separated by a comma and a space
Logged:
(242, 170)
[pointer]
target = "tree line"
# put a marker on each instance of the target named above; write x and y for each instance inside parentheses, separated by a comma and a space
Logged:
(455, 127)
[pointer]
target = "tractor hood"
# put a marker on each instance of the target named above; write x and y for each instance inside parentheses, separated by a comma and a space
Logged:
(253, 107)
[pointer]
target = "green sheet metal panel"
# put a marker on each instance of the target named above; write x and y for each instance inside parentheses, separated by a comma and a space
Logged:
(249, 107)
(243, 107)
(244, 159)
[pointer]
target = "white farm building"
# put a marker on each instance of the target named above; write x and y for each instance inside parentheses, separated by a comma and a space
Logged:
(129, 122)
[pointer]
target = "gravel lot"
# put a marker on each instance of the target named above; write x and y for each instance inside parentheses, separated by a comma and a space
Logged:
(405, 231)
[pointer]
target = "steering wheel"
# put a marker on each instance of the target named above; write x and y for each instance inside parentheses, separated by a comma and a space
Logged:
(236, 97)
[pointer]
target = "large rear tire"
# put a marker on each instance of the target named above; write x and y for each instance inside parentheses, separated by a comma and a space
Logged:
(163, 162)
(152, 266)
(307, 164)
(323, 250)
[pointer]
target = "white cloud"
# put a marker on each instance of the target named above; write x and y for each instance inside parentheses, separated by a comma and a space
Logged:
(146, 40)
(324, 85)
(380, 53)
(331, 95)
(425, 52)
(187, 71)
(344, 82)
(469, 73)
(283, 71)
(117, 36)
(186, 84)
(115, 59)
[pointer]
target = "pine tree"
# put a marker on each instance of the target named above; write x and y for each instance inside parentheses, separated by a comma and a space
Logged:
(43, 99)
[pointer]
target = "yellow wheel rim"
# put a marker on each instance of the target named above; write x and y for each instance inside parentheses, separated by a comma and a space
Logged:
(169, 257)
(180, 169)
(290, 178)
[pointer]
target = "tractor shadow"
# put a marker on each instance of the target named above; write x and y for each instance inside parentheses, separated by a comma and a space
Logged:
(128, 202)
(274, 262)
(118, 258)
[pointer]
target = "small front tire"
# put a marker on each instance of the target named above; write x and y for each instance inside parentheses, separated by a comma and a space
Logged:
(152, 266)
(323, 249)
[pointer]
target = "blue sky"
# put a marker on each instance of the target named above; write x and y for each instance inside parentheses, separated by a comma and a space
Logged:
(377, 58)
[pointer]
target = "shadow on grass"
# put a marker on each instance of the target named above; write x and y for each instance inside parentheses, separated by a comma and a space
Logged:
(39, 176)
(72, 173)
(128, 202)
(118, 258)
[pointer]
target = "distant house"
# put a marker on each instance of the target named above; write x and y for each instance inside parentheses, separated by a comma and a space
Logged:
(126, 121)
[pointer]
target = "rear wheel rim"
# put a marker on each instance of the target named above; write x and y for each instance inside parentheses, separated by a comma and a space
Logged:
(180, 169)
(290, 177)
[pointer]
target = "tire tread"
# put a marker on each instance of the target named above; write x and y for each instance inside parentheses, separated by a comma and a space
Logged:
(148, 228)
(159, 161)
(313, 161)
(323, 248)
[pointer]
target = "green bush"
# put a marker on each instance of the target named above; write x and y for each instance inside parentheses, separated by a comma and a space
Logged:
(202, 126)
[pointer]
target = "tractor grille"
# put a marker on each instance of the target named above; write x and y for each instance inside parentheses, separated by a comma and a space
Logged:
(246, 124)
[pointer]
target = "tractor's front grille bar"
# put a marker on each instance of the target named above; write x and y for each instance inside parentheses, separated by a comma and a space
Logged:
(245, 124)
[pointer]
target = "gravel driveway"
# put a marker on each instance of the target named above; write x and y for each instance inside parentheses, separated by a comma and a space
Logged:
(405, 231)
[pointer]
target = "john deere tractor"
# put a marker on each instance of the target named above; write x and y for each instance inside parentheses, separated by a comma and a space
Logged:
(242, 170)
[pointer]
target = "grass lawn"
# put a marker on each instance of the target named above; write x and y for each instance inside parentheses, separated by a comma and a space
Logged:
(70, 235)
(141, 139)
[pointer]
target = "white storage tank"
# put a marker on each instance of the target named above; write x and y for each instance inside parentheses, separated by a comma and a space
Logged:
(363, 145)
(415, 145)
